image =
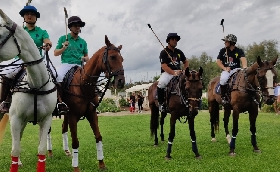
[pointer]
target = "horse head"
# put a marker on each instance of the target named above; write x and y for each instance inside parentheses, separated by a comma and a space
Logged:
(9, 44)
(192, 82)
(112, 64)
(267, 77)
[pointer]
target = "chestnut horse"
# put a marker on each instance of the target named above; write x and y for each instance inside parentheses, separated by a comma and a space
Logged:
(82, 99)
(246, 89)
(184, 103)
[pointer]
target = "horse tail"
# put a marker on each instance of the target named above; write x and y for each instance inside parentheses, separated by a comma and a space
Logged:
(154, 122)
(3, 124)
(216, 115)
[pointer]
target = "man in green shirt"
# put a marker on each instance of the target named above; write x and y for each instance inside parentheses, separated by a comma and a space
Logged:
(40, 37)
(73, 50)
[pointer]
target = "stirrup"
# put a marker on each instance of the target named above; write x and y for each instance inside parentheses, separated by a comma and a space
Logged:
(4, 107)
(62, 110)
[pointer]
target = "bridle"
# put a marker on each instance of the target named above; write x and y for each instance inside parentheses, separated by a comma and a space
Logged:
(11, 34)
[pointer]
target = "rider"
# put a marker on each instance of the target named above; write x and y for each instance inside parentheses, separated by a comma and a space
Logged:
(73, 50)
(40, 37)
(169, 67)
(229, 61)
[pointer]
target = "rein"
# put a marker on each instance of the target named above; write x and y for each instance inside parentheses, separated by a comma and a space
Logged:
(11, 34)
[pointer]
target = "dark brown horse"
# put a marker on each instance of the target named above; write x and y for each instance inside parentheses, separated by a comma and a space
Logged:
(183, 102)
(247, 88)
(82, 99)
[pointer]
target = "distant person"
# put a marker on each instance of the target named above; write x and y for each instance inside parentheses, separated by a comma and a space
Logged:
(140, 100)
(132, 101)
(277, 98)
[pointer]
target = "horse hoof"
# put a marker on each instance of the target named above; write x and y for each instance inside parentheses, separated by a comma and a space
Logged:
(232, 154)
(213, 140)
(257, 151)
(50, 155)
(76, 169)
(155, 145)
(102, 168)
(68, 153)
(198, 157)
(168, 158)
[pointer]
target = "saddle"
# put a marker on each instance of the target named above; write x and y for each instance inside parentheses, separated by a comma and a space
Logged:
(69, 77)
(230, 83)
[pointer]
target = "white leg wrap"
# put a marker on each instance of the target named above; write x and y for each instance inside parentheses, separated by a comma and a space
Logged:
(19, 162)
(65, 141)
(49, 142)
(99, 150)
(75, 161)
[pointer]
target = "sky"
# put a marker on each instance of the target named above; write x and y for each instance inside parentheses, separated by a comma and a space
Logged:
(125, 23)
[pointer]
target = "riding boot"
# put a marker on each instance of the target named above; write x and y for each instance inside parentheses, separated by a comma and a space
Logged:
(223, 95)
(161, 105)
(62, 108)
(5, 95)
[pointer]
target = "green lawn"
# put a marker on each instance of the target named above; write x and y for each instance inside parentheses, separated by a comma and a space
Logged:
(128, 147)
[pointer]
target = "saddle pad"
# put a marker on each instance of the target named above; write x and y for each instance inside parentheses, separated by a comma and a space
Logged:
(69, 77)
(218, 88)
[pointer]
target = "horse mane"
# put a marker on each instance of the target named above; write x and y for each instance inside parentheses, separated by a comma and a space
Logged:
(252, 68)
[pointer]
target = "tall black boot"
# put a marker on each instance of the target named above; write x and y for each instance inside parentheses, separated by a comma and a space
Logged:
(223, 95)
(161, 105)
(5, 95)
(62, 108)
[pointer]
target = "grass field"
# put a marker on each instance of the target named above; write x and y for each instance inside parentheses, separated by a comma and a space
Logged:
(128, 147)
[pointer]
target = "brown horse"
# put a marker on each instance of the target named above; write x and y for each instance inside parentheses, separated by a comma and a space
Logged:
(184, 103)
(82, 99)
(246, 89)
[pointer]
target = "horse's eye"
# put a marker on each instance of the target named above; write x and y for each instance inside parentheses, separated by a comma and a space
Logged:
(113, 57)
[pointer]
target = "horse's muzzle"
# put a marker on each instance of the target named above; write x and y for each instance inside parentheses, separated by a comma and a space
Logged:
(269, 100)
(120, 83)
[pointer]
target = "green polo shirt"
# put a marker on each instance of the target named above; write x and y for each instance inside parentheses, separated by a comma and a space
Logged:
(75, 50)
(38, 35)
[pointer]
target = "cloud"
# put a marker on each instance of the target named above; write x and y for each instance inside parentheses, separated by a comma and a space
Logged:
(125, 22)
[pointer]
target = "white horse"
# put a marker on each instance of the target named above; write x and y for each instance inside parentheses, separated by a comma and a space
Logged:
(13, 41)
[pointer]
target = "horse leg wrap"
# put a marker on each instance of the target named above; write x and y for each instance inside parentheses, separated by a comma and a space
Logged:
(14, 165)
(75, 161)
(254, 140)
(99, 149)
(169, 146)
(232, 142)
(49, 142)
(41, 165)
(65, 141)
(194, 146)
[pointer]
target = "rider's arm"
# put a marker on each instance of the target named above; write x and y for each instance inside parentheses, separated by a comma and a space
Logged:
(184, 60)
(220, 64)
(167, 69)
(244, 62)
(60, 47)
(186, 64)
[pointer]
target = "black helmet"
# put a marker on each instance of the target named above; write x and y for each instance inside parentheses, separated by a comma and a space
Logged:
(75, 19)
(231, 38)
(172, 35)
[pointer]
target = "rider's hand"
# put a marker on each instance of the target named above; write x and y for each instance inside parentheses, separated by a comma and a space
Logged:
(84, 59)
(47, 46)
(177, 72)
(65, 44)
(226, 69)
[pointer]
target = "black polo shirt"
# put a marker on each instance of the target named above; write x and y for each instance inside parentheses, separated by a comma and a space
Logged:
(177, 56)
(233, 57)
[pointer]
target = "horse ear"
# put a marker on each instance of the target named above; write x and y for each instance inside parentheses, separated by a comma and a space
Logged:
(120, 47)
(187, 71)
(5, 17)
(275, 60)
(259, 61)
(107, 42)
(200, 71)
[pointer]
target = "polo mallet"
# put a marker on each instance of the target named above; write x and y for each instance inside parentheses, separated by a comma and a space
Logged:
(66, 16)
(28, 2)
(222, 23)
(161, 44)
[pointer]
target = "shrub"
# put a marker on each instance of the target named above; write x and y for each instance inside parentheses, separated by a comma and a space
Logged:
(123, 102)
(204, 105)
(108, 105)
(267, 108)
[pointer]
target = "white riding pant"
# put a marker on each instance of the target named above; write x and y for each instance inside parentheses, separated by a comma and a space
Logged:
(62, 70)
(164, 79)
(225, 75)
